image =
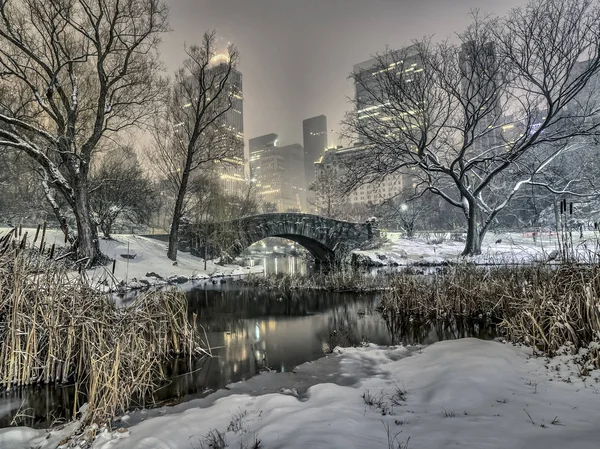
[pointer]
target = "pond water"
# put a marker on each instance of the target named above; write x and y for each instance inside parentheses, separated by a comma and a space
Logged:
(249, 331)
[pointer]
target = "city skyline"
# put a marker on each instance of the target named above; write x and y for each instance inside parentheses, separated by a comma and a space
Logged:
(296, 56)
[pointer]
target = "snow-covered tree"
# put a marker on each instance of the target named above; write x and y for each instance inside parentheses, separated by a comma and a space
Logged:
(84, 70)
(481, 121)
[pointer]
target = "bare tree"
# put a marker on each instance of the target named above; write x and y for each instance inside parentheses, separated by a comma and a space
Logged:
(21, 199)
(329, 194)
(480, 121)
(192, 133)
(120, 190)
(405, 210)
(85, 70)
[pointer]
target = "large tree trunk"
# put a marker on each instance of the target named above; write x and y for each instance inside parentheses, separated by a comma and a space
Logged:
(175, 222)
(174, 235)
(474, 237)
(87, 233)
(60, 217)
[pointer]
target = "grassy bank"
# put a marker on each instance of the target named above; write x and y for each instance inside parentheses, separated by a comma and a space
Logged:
(547, 308)
(550, 308)
(54, 328)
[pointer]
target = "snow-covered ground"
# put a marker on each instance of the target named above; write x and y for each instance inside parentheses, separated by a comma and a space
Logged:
(496, 249)
(150, 257)
(465, 393)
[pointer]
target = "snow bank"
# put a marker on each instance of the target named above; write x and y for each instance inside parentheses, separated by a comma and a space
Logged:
(151, 258)
(496, 249)
(465, 393)
(143, 257)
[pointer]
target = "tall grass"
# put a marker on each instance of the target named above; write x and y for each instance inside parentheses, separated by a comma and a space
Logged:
(546, 307)
(55, 328)
(335, 281)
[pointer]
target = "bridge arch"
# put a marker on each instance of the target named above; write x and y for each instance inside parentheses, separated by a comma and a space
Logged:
(327, 239)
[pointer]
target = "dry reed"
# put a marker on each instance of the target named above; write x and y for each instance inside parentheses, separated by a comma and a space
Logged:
(546, 307)
(55, 328)
(334, 281)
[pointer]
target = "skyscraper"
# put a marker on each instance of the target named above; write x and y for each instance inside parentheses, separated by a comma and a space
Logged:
(480, 89)
(371, 79)
(280, 177)
(314, 132)
(257, 146)
(370, 98)
(231, 172)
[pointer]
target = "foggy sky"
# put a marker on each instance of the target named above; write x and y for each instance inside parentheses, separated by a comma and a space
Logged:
(296, 55)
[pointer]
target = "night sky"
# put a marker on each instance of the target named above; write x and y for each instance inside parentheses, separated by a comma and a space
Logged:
(296, 54)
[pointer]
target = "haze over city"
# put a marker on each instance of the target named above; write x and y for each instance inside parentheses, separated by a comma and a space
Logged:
(296, 56)
(298, 224)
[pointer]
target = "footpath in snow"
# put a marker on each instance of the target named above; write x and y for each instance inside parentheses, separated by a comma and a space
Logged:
(465, 393)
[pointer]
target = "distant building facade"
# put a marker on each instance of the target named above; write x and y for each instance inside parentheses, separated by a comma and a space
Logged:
(314, 133)
(257, 147)
(335, 161)
(231, 171)
(279, 177)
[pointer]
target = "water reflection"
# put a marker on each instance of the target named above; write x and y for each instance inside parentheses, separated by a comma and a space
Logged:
(250, 331)
(277, 265)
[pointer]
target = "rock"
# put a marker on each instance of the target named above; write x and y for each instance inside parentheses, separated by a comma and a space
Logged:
(552, 256)
(401, 253)
(178, 279)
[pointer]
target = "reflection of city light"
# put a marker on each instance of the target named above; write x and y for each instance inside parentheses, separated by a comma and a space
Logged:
(257, 331)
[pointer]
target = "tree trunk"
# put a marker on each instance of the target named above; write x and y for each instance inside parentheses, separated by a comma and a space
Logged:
(474, 237)
(87, 233)
(106, 229)
(60, 217)
(174, 231)
(174, 234)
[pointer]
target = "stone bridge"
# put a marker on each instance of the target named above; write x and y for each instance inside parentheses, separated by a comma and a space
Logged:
(327, 239)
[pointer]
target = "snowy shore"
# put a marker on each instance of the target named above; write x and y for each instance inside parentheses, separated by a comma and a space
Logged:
(150, 259)
(465, 393)
(505, 248)
(142, 262)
